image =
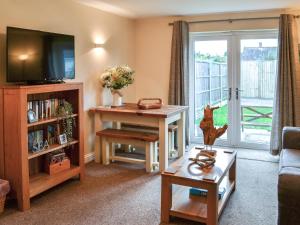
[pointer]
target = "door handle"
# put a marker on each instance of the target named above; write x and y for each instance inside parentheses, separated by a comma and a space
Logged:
(237, 91)
(229, 93)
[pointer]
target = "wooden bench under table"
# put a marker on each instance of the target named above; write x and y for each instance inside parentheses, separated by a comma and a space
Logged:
(148, 141)
(171, 133)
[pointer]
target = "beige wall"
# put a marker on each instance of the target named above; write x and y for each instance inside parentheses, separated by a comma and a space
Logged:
(153, 45)
(87, 24)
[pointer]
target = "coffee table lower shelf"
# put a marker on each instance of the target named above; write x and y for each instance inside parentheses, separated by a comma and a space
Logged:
(195, 207)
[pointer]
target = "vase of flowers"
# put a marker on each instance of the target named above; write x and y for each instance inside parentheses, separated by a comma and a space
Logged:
(117, 98)
(115, 79)
(107, 97)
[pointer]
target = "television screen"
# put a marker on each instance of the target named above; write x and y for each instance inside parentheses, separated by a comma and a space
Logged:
(36, 56)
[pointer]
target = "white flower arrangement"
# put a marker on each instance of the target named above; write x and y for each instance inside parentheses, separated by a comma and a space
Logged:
(116, 78)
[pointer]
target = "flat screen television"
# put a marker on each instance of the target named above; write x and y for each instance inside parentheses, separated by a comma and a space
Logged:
(39, 57)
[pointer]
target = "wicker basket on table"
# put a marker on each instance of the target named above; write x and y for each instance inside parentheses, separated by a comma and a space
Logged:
(4, 189)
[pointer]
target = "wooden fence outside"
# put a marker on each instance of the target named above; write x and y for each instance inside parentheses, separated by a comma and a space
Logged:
(258, 79)
(211, 81)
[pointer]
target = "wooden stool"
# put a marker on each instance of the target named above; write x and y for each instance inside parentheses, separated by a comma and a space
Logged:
(140, 139)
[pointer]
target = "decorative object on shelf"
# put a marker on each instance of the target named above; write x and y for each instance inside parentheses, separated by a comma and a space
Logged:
(55, 157)
(57, 162)
(36, 141)
(31, 117)
(115, 79)
(150, 103)
(204, 160)
(65, 110)
(46, 144)
(210, 133)
(62, 139)
(4, 190)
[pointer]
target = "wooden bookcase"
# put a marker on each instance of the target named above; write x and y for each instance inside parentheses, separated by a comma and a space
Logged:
(24, 169)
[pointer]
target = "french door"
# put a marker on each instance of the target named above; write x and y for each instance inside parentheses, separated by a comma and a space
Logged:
(235, 71)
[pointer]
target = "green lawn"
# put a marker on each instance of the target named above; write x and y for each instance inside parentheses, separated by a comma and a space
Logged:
(221, 115)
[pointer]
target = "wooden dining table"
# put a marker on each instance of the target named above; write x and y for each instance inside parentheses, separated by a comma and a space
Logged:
(130, 113)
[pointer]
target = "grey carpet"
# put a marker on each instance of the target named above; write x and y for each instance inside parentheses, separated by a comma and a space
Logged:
(125, 194)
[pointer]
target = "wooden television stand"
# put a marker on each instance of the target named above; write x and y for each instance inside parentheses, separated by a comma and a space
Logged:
(23, 168)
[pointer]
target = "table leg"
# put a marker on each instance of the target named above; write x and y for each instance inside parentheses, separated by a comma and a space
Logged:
(212, 205)
(97, 143)
(163, 145)
(232, 174)
(181, 135)
(155, 153)
(105, 151)
(166, 199)
(112, 150)
(117, 125)
(149, 156)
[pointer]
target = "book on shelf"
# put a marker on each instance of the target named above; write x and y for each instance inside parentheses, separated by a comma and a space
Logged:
(44, 108)
(203, 192)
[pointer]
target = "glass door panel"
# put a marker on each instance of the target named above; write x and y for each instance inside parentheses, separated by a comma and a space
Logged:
(258, 69)
(210, 82)
(235, 71)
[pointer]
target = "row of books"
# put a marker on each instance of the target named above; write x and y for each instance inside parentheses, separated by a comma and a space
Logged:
(44, 108)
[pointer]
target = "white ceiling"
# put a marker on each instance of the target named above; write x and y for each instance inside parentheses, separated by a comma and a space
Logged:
(150, 8)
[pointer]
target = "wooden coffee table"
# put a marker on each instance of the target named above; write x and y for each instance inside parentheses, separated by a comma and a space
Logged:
(176, 200)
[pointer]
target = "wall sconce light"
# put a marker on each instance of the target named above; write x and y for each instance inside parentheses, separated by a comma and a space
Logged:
(23, 57)
(99, 45)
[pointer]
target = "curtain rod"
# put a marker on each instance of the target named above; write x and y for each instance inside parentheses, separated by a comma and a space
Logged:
(232, 20)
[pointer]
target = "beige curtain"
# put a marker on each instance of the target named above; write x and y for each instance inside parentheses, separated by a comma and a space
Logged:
(286, 110)
(179, 77)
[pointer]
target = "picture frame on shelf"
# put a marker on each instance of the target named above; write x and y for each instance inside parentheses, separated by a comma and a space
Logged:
(62, 139)
(36, 141)
(31, 116)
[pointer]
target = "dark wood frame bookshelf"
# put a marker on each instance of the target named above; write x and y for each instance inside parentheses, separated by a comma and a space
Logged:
(24, 169)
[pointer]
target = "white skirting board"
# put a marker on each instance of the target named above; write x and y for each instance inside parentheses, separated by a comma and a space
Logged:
(89, 157)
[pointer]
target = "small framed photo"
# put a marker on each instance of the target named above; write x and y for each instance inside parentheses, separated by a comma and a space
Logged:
(62, 139)
(35, 141)
(31, 116)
